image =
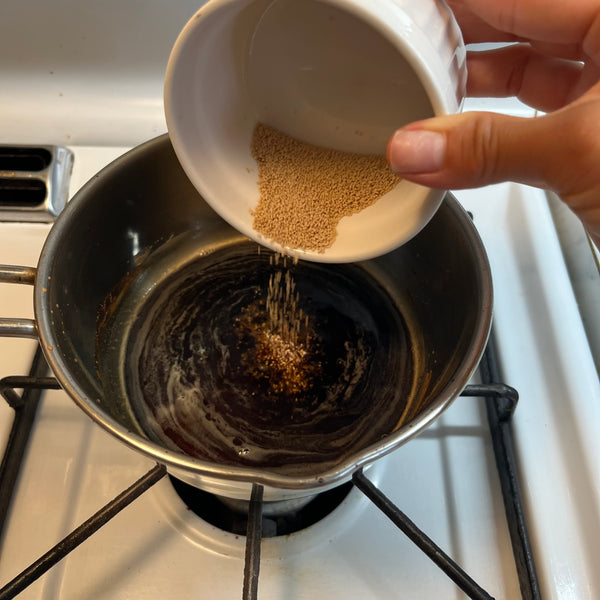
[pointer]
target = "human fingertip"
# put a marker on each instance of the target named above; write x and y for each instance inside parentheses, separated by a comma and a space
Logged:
(414, 151)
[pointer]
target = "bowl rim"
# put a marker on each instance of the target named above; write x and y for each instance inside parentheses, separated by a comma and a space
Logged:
(411, 42)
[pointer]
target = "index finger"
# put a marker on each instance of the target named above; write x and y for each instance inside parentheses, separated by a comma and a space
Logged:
(554, 21)
(475, 30)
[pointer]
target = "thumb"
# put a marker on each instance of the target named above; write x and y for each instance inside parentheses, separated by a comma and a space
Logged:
(559, 151)
(474, 149)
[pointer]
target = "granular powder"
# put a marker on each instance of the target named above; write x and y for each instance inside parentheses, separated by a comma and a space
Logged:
(305, 190)
(284, 353)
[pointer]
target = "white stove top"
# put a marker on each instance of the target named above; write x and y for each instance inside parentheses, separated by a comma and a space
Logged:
(98, 93)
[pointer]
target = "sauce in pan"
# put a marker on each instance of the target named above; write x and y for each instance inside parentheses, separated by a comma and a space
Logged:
(208, 373)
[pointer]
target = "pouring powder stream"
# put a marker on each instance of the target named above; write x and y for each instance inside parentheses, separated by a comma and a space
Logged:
(285, 352)
(305, 190)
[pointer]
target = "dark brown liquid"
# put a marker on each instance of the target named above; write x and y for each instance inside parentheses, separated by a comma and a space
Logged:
(198, 380)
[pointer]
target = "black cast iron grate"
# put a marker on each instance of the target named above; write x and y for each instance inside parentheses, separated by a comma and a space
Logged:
(501, 401)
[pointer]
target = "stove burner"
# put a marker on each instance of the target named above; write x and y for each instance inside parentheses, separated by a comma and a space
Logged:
(279, 518)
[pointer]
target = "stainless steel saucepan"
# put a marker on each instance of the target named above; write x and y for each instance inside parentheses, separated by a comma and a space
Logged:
(141, 298)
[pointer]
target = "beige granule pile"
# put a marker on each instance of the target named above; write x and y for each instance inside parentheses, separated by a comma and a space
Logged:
(305, 190)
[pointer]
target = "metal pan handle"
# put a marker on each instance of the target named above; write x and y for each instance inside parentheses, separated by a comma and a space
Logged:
(22, 328)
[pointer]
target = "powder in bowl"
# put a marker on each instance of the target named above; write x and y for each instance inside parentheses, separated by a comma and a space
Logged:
(305, 190)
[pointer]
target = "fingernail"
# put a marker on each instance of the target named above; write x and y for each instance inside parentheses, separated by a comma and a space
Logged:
(416, 151)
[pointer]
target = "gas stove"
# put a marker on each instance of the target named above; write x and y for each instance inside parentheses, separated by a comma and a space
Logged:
(90, 80)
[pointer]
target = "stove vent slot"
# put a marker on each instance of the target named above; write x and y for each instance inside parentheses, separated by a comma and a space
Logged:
(16, 192)
(34, 182)
(24, 158)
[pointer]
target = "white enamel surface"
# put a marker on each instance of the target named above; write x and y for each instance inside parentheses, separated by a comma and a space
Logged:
(335, 73)
(16, 302)
(557, 423)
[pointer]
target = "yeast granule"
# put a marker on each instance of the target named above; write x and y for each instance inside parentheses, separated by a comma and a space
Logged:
(305, 190)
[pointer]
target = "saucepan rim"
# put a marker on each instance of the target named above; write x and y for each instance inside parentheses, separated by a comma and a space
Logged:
(63, 370)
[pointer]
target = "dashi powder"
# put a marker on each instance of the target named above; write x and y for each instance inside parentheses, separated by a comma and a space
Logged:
(304, 190)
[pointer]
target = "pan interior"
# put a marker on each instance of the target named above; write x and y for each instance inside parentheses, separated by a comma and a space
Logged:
(185, 344)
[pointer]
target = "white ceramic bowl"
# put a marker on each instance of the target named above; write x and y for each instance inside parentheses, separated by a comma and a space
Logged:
(343, 74)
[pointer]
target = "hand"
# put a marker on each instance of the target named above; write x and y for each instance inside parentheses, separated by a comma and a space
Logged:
(554, 67)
